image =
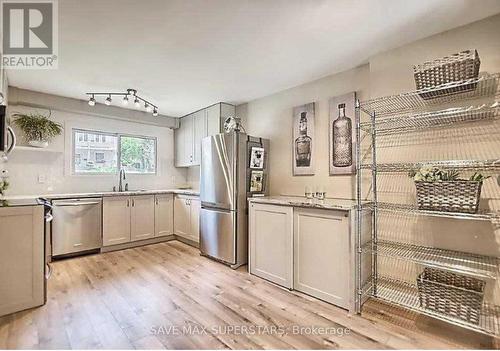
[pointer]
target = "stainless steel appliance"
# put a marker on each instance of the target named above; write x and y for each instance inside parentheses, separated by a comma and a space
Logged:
(77, 225)
(225, 184)
(7, 136)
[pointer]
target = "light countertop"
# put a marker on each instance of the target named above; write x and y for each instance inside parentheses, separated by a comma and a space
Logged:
(103, 194)
(299, 201)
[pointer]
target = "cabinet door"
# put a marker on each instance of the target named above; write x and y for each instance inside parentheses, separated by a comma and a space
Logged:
(184, 142)
(213, 120)
(271, 233)
(199, 132)
(164, 215)
(115, 220)
(195, 204)
(182, 217)
(321, 254)
(21, 258)
(142, 218)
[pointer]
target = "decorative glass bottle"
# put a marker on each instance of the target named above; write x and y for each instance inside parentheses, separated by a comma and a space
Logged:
(303, 144)
(342, 139)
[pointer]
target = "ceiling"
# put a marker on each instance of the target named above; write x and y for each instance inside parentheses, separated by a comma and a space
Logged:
(186, 54)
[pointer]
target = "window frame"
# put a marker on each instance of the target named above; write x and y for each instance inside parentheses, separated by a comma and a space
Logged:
(74, 172)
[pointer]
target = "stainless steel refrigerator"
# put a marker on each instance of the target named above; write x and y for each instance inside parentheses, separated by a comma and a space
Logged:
(234, 166)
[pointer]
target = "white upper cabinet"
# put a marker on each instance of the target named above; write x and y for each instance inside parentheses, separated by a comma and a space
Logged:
(184, 142)
(199, 131)
(194, 127)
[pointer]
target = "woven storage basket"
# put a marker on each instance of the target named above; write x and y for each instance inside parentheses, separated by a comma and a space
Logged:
(450, 196)
(441, 72)
(451, 294)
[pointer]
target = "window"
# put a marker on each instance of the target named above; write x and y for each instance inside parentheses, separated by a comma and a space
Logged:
(89, 157)
(137, 154)
(110, 152)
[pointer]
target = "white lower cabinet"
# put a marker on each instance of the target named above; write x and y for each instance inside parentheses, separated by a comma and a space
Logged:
(115, 220)
(270, 235)
(302, 249)
(164, 215)
(142, 217)
(21, 258)
(187, 217)
(195, 219)
(135, 218)
(321, 254)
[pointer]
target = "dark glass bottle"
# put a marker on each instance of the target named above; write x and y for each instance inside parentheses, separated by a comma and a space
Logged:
(342, 139)
(303, 144)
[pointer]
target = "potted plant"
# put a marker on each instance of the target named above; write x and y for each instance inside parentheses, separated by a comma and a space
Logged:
(444, 190)
(4, 184)
(38, 129)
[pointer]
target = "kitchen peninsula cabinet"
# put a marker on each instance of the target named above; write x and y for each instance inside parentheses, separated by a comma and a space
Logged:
(304, 246)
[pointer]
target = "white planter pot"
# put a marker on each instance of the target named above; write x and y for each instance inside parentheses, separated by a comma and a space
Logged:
(38, 143)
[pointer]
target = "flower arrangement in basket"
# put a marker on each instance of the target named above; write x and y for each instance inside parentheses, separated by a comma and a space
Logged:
(443, 190)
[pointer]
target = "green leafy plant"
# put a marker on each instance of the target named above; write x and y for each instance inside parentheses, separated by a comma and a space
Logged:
(436, 174)
(37, 126)
(4, 185)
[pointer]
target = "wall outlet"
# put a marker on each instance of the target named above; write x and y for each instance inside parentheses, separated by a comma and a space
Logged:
(42, 178)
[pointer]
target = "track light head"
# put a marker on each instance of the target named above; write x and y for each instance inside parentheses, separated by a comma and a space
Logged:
(137, 103)
(92, 101)
(108, 100)
(155, 112)
(125, 100)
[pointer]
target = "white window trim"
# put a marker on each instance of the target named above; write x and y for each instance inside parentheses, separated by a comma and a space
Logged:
(118, 153)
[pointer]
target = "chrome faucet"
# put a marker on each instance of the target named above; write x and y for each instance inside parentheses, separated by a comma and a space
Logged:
(122, 177)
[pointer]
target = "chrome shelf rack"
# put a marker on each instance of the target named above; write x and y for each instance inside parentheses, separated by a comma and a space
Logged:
(454, 261)
(407, 113)
(403, 294)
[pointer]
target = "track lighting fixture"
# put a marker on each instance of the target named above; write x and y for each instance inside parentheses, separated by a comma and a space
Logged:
(127, 96)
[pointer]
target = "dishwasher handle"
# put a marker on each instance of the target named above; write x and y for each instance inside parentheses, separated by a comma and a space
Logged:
(76, 204)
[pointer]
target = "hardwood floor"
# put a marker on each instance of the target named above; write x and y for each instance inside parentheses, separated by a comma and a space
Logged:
(167, 296)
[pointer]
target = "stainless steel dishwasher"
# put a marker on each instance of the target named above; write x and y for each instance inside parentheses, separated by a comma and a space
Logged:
(77, 226)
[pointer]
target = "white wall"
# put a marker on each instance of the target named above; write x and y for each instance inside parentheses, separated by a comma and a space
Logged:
(25, 167)
(386, 73)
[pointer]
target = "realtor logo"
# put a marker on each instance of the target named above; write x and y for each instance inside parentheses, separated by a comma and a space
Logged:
(29, 34)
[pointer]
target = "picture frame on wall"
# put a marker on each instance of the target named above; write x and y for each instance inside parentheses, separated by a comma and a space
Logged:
(257, 158)
(303, 140)
(256, 181)
(342, 135)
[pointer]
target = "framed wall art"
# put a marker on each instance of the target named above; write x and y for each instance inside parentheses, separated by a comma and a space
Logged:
(342, 135)
(303, 139)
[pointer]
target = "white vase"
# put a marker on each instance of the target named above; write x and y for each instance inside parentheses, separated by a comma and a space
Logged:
(38, 143)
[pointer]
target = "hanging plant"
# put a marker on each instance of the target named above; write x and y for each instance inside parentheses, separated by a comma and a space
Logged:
(37, 128)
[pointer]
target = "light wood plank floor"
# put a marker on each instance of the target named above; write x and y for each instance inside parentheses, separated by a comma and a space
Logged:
(152, 296)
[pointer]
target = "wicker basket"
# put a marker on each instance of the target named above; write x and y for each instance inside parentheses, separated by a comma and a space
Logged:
(438, 74)
(451, 294)
(449, 196)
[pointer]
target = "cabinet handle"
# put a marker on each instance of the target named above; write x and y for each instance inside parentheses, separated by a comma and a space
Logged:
(128, 203)
(156, 201)
(133, 203)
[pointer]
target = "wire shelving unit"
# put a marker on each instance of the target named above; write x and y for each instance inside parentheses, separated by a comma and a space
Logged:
(408, 113)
